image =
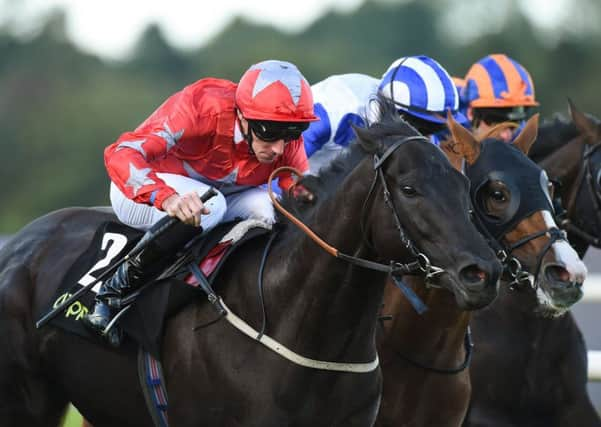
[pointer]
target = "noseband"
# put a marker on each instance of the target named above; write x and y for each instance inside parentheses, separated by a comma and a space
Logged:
(512, 266)
(585, 176)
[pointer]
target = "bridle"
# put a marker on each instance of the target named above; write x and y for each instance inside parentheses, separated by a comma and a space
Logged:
(421, 263)
(520, 277)
(585, 179)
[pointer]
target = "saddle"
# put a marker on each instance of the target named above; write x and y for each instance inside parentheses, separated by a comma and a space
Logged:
(148, 308)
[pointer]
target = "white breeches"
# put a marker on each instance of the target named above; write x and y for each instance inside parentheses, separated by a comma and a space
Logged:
(252, 203)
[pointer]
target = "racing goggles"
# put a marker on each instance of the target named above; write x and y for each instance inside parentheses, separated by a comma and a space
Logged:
(423, 126)
(492, 116)
(270, 131)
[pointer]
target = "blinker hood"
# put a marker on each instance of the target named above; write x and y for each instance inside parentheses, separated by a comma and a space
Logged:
(526, 182)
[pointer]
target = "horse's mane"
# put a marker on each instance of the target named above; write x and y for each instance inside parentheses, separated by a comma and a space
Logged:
(552, 135)
(376, 137)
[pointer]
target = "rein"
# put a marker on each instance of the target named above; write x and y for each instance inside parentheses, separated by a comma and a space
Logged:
(391, 268)
(421, 264)
(468, 346)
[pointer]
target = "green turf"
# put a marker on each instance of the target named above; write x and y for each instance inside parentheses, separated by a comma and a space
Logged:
(72, 418)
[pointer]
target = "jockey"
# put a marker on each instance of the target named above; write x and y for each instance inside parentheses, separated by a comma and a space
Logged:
(211, 133)
(498, 89)
(419, 86)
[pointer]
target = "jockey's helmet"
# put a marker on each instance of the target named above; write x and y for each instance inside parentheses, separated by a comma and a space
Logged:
(497, 81)
(275, 91)
(421, 87)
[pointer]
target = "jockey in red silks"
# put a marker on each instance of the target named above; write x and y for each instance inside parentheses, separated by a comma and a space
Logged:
(211, 133)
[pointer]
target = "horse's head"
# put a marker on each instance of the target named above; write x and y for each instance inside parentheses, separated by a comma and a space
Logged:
(574, 166)
(420, 206)
(512, 205)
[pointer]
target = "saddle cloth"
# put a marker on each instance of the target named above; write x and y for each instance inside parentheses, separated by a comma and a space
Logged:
(145, 319)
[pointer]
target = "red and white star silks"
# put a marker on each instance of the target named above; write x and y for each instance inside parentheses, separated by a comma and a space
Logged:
(192, 134)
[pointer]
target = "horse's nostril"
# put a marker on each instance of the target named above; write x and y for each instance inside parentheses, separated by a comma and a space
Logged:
(557, 273)
(473, 274)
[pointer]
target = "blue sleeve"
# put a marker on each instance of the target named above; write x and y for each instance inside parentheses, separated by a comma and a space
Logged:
(319, 132)
(345, 133)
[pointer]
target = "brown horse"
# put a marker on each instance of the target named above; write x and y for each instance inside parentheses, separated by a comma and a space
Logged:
(426, 380)
(323, 308)
(543, 359)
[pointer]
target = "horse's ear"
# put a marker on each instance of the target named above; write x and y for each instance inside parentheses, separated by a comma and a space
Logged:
(464, 143)
(370, 143)
(585, 125)
(448, 147)
(528, 135)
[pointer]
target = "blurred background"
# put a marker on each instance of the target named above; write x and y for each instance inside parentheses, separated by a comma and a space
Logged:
(76, 74)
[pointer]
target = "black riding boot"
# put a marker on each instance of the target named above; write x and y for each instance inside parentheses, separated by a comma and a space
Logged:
(128, 277)
(133, 274)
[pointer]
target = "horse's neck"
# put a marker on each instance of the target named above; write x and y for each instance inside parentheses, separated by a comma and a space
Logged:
(565, 163)
(435, 337)
(333, 303)
(515, 304)
(515, 313)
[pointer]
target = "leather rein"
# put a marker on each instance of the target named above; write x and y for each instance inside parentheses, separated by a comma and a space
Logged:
(420, 265)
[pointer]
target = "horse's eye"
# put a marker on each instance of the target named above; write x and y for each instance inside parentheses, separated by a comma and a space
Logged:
(498, 196)
(408, 190)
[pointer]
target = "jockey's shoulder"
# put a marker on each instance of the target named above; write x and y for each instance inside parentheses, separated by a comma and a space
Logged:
(350, 80)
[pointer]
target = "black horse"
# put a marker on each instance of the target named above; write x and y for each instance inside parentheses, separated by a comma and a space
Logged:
(392, 197)
(543, 359)
(426, 380)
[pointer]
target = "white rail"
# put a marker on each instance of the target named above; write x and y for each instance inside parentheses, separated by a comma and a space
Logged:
(592, 294)
(594, 365)
(592, 288)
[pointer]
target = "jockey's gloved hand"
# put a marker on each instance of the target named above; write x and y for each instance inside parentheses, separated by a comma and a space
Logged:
(301, 194)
